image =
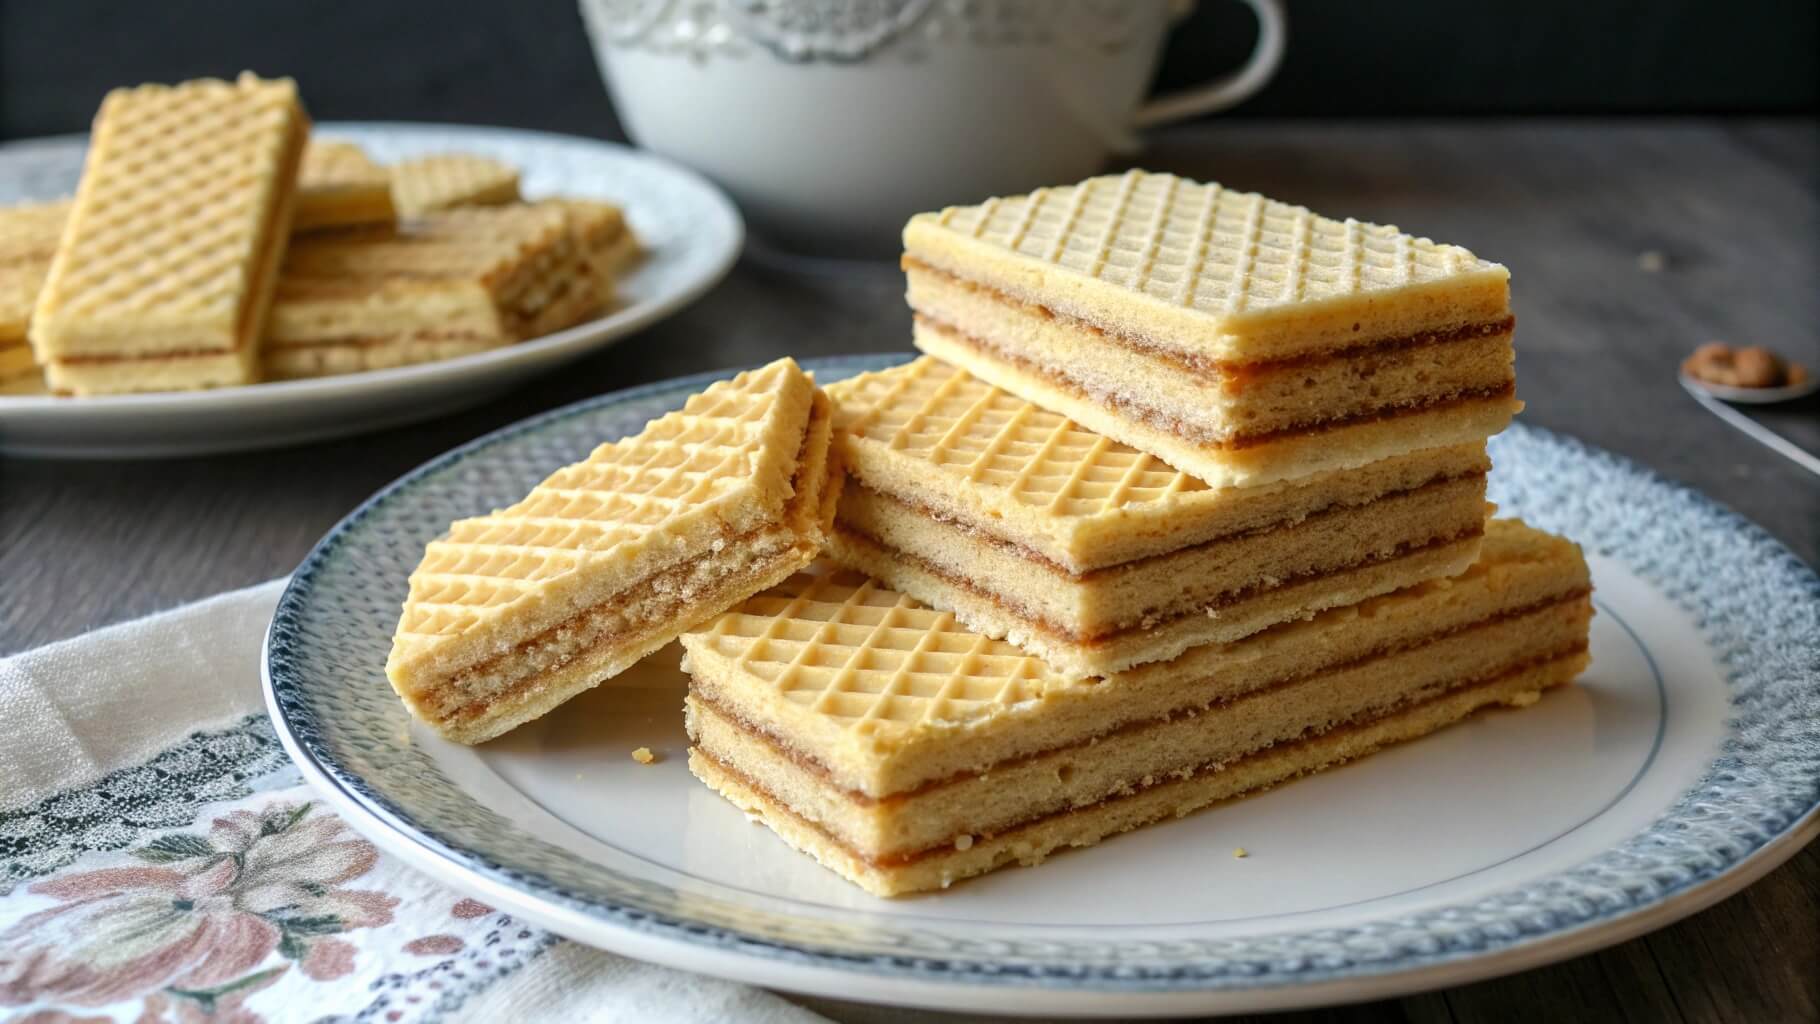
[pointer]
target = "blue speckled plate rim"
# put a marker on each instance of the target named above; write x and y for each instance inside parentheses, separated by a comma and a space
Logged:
(1780, 843)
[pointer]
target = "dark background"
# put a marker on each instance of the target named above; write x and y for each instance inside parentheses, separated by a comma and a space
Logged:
(527, 63)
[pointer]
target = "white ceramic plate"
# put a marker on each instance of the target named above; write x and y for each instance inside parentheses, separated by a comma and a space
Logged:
(1685, 765)
(692, 231)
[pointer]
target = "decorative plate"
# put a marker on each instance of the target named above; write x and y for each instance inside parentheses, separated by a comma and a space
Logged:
(1685, 765)
(692, 232)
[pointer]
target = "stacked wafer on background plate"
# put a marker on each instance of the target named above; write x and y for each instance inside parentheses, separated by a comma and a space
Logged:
(28, 240)
(459, 281)
(1189, 501)
(160, 275)
(339, 186)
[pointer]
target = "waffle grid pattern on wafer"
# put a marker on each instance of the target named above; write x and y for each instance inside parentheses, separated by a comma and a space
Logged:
(442, 181)
(172, 202)
(1203, 246)
(28, 240)
(956, 422)
(328, 164)
(838, 644)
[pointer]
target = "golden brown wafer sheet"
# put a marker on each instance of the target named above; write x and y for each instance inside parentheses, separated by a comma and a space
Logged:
(1212, 328)
(447, 180)
(338, 185)
(887, 730)
(174, 237)
(513, 612)
(445, 284)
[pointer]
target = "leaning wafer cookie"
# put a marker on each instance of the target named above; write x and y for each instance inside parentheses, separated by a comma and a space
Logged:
(514, 612)
(164, 272)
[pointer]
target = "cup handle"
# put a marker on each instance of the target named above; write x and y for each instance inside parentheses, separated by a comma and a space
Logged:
(1273, 32)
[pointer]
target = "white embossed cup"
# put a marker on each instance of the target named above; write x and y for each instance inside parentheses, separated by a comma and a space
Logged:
(832, 122)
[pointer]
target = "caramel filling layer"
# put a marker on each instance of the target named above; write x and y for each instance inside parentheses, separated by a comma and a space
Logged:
(1219, 371)
(1094, 640)
(1167, 777)
(104, 358)
(375, 340)
(1155, 418)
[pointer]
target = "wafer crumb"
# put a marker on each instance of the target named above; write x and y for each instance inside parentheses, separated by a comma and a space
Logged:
(1651, 261)
(643, 755)
(1239, 853)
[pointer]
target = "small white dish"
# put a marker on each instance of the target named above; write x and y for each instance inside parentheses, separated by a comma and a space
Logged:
(1753, 396)
(691, 229)
(1684, 765)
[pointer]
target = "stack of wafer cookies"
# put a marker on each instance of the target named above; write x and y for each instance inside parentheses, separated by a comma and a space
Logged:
(1187, 499)
(165, 268)
(28, 240)
(168, 271)
(442, 285)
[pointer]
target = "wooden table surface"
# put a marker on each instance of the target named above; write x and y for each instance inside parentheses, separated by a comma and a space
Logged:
(1732, 207)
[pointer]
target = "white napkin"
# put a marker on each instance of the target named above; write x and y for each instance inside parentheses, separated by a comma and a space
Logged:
(161, 859)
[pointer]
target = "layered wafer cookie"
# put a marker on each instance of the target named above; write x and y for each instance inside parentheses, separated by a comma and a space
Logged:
(1096, 556)
(607, 241)
(514, 612)
(338, 185)
(28, 239)
(163, 275)
(448, 180)
(1240, 339)
(445, 284)
(904, 751)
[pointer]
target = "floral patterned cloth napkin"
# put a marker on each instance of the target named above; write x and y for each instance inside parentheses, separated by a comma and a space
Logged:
(162, 860)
